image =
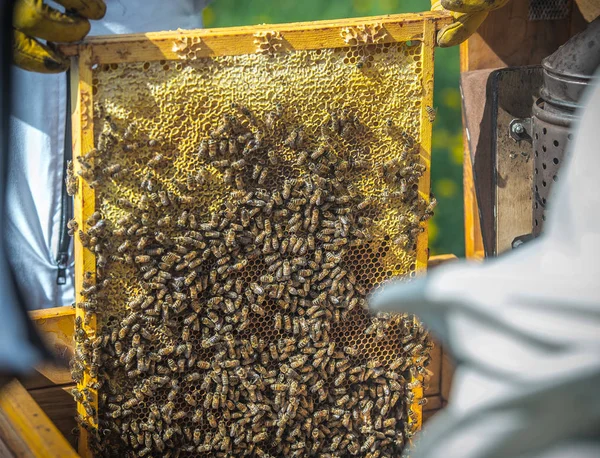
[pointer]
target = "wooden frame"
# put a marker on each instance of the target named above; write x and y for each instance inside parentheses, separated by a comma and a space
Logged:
(50, 386)
(56, 327)
(233, 41)
(85, 260)
(117, 49)
(48, 389)
(25, 429)
(437, 388)
(429, 41)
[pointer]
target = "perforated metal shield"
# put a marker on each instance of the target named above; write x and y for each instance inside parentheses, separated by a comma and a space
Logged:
(567, 74)
(549, 10)
(551, 138)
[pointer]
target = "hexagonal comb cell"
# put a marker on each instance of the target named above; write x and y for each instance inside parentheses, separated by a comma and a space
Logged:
(241, 219)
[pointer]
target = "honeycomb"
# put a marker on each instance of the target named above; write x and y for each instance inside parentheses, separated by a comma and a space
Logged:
(244, 208)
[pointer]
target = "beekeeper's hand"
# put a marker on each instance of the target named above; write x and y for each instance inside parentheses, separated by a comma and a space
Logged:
(34, 20)
(468, 16)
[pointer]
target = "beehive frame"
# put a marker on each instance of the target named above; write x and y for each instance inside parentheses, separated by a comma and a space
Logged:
(228, 42)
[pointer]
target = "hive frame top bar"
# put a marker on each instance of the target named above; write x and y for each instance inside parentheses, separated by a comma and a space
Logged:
(232, 41)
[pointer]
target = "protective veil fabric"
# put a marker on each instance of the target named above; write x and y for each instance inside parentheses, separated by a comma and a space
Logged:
(524, 330)
(18, 351)
(37, 131)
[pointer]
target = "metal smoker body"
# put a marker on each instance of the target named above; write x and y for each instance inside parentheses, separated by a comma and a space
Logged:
(566, 73)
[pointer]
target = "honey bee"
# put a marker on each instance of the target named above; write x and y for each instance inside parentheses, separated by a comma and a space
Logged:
(260, 437)
(368, 444)
(428, 213)
(142, 259)
(320, 168)
(287, 370)
(72, 227)
(365, 203)
(71, 182)
(413, 384)
(124, 246)
(238, 165)
(431, 113)
(278, 321)
(404, 154)
(320, 151)
(93, 218)
(112, 170)
(295, 139)
(212, 146)
(362, 62)
(302, 158)
(239, 182)
(203, 148)
(257, 171)
(156, 160)
(164, 198)
(190, 399)
(287, 190)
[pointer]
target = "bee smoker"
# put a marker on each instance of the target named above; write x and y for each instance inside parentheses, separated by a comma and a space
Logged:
(566, 75)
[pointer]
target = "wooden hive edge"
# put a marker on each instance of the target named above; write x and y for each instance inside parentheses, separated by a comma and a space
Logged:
(27, 428)
(145, 47)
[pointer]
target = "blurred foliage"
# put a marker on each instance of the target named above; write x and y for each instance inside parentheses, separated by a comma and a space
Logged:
(446, 228)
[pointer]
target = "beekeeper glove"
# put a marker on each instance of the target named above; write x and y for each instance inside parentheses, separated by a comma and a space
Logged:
(34, 20)
(413, 298)
(468, 16)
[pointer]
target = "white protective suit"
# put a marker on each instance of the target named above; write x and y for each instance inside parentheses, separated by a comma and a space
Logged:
(34, 191)
(524, 329)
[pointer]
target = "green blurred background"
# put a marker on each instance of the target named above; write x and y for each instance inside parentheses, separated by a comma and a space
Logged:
(446, 228)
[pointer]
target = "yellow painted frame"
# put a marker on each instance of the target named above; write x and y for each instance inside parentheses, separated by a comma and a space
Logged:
(55, 326)
(156, 46)
(85, 202)
(231, 41)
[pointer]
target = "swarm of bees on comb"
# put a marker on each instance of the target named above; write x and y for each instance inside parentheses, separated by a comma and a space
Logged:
(188, 368)
(231, 298)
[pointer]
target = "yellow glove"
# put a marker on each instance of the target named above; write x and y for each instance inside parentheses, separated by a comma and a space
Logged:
(33, 19)
(468, 16)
